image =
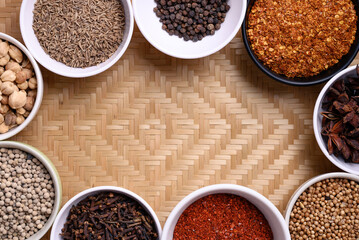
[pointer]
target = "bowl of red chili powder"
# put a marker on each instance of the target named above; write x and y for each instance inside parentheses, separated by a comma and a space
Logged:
(225, 211)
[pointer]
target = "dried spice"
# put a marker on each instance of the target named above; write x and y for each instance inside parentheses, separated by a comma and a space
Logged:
(301, 38)
(340, 124)
(107, 216)
(191, 20)
(18, 86)
(79, 33)
(328, 209)
(27, 195)
(222, 216)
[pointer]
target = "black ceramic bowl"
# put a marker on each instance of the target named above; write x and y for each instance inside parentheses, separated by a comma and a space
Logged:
(304, 81)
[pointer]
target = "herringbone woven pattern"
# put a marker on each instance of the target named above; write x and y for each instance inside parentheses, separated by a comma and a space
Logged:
(164, 127)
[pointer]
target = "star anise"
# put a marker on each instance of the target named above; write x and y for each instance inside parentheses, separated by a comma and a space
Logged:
(340, 124)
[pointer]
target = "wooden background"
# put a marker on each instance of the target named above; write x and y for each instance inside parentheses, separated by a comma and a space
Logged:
(164, 127)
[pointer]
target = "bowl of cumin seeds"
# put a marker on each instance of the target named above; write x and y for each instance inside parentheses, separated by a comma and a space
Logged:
(76, 38)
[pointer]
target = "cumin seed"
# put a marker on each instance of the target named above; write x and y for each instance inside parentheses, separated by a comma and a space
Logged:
(79, 33)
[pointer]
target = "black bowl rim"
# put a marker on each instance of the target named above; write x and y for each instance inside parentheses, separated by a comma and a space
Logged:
(277, 76)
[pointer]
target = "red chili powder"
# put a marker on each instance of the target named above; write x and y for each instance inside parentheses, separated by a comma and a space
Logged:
(222, 216)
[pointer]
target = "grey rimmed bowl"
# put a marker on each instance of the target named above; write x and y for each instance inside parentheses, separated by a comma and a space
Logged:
(54, 177)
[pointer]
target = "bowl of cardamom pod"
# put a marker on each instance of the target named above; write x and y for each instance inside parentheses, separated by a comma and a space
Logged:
(336, 120)
(106, 212)
(21, 87)
(77, 38)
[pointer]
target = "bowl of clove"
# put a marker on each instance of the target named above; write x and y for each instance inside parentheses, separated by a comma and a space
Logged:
(21, 87)
(336, 120)
(106, 212)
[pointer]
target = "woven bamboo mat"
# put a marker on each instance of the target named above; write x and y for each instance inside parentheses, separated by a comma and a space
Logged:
(164, 127)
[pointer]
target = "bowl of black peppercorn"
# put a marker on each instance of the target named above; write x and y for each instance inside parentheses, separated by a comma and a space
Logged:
(189, 29)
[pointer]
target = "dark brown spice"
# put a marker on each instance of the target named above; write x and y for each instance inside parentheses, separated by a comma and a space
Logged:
(79, 33)
(340, 124)
(301, 38)
(109, 216)
(191, 20)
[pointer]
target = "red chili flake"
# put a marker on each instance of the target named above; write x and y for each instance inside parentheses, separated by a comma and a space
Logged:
(222, 216)
(301, 38)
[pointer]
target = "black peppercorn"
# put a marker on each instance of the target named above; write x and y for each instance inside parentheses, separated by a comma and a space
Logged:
(191, 19)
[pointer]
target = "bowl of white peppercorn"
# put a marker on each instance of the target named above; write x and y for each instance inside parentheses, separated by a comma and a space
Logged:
(21, 87)
(30, 192)
(325, 207)
(189, 29)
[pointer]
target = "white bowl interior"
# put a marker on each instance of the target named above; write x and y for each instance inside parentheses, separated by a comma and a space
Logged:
(64, 212)
(309, 183)
(40, 88)
(271, 213)
(54, 176)
(317, 123)
(151, 28)
(26, 19)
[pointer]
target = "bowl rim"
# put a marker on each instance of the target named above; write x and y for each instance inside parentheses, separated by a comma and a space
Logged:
(282, 79)
(40, 87)
(91, 191)
(54, 176)
(180, 55)
(317, 127)
(215, 189)
(311, 182)
(96, 71)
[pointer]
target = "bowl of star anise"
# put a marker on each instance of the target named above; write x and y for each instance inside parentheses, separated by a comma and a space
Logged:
(336, 120)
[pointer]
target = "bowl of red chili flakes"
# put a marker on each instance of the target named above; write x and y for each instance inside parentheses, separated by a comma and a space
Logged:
(225, 211)
(301, 42)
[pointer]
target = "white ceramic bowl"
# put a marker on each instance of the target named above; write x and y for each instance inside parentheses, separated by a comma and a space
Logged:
(40, 87)
(64, 212)
(309, 183)
(54, 176)
(317, 124)
(26, 19)
(271, 213)
(151, 28)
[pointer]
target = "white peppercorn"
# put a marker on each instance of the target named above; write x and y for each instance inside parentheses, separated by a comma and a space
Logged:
(26, 196)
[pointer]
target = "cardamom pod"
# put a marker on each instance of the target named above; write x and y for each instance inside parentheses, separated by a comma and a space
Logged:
(13, 66)
(28, 73)
(4, 48)
(20, 77)
(4, 128)
(8, 76)
(17, 99)
(32, 83)
(16, 54)
(8, 88)
(4, 60)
